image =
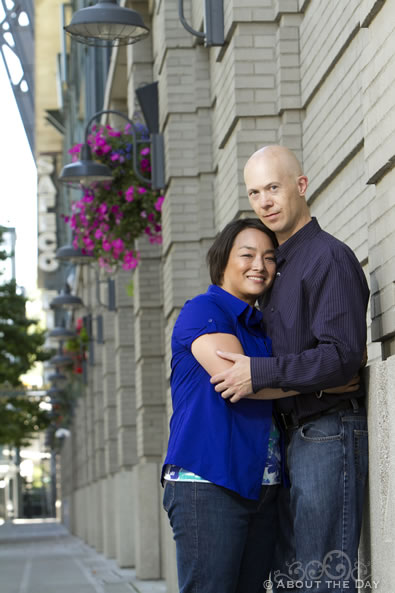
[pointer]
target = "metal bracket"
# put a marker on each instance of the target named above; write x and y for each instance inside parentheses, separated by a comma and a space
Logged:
(213, 22)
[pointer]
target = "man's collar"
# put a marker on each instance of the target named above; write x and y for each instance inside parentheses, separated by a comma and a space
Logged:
(287, 249)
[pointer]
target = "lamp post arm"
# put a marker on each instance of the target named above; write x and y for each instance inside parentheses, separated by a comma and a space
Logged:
(133, 130)
(184, 22)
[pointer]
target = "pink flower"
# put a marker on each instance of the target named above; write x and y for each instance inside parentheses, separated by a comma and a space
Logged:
(158, 203)
(141, 190)
(143, 214)
(117, 244)
(129, 194)
(106, 148)
(145, 151)
(106, 245)
(115, 157)
(103, 208)
(98, 234)
(88, 198)
(76, 149)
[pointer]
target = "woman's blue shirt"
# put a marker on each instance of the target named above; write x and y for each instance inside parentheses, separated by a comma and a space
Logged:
(222, 442)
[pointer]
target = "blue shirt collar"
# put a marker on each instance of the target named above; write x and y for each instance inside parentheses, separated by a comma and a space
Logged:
(252, 316)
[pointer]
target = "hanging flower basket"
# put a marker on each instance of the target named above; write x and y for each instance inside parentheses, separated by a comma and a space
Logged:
(110, 216)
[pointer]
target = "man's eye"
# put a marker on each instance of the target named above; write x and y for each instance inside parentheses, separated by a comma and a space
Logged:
(274, 187)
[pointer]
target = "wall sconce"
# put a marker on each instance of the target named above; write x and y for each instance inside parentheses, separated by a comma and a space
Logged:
(86, 170)
(61, 334)
(68, 253)
(58, 380)
(60, 360)
(107, 23)
(77, 256)
(66, 300)
(213, 22)
(52, 392)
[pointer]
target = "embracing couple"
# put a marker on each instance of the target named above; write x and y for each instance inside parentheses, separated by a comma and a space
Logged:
(267, 458)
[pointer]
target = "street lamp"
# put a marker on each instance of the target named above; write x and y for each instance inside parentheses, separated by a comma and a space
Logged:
(66, 300)
(61, 334)
(86, 170)
(75, 255)
(107, 23)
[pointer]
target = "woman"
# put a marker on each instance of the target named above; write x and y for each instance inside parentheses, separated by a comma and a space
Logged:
(222, 467)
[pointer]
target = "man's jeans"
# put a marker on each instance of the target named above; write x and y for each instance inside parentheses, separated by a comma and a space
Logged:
(328, 462)
(224, 542)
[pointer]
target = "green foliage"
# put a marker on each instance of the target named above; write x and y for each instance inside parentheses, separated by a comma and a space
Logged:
(21, 419)
(21, 342)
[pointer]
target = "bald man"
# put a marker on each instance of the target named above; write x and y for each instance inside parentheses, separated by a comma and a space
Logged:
(316, 317)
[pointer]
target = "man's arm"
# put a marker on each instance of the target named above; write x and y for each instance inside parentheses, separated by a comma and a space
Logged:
(205, 350)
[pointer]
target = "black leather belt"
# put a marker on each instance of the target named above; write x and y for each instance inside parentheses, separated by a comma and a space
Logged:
(292, 422)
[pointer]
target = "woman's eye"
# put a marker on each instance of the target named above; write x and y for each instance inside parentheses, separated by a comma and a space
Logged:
(246, 255)
(270, 260)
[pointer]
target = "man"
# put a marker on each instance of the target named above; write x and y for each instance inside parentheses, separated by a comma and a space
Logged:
(316, 317)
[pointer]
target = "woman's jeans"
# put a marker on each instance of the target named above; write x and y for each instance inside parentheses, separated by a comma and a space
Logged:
(320, 515)
(224, 542)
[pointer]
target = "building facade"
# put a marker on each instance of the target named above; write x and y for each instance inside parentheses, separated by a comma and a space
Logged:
(316, 76)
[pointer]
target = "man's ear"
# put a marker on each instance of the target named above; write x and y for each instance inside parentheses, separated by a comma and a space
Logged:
(302, 184)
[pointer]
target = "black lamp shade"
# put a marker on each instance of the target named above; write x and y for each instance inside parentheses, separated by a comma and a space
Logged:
(61, 333)
(86, 170)
(60, 360)
(73, 255)
(66, 301)
(107, 22)
(58, 380)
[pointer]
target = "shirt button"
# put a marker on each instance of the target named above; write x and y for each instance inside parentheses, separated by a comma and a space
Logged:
(278, 274)
(210, 320)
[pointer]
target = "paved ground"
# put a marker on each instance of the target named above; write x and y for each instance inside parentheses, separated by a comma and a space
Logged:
(42, 557)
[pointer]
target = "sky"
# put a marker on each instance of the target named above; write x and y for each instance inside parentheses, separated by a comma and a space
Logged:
(18, 185)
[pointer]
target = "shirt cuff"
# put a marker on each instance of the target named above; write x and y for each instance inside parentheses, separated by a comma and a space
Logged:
(263, 373)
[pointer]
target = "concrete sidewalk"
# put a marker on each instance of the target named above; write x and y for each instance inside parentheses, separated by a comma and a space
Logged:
(42, 557)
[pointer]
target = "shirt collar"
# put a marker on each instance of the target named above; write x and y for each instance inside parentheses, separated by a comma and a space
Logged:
(252, 316)
(287, 249)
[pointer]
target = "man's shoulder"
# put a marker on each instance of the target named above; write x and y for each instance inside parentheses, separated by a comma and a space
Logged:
(324, 244)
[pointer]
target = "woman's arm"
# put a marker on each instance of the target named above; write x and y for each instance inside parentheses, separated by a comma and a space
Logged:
(204, 349)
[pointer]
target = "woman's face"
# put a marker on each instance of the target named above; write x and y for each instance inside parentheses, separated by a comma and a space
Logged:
(251, 266)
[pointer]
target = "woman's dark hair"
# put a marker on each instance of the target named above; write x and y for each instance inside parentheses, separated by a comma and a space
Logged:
(218, 254)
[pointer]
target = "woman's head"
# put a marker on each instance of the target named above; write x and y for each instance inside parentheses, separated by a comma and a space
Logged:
(241, 259)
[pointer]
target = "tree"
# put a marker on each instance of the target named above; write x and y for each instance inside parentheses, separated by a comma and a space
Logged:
(21, 341)
(21, 419)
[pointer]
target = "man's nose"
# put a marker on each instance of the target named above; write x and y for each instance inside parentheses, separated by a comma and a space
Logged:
(265, 199)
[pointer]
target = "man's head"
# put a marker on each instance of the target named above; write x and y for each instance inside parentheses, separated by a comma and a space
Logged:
(276, 189)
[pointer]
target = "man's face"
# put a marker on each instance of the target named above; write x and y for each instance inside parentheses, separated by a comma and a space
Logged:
(276, 196)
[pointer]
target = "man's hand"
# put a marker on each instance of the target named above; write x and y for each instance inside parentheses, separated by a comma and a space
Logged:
(234, 383)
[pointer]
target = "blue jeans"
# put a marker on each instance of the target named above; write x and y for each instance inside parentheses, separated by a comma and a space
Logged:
(224, 542)
(320, 515)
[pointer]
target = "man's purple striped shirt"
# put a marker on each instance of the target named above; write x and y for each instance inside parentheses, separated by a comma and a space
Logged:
(316, 318)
